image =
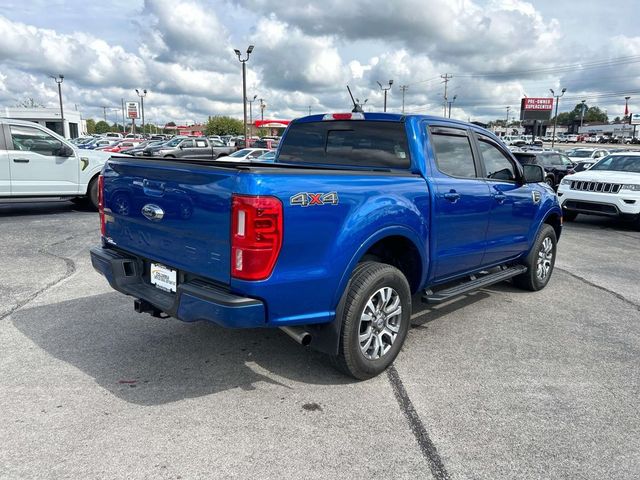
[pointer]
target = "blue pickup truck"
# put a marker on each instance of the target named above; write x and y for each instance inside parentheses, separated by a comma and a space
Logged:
(359, 215)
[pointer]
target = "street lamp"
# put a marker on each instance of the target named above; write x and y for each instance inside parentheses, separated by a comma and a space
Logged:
(582, 113)
(385, 92)
(451, 103)
(251, 111)
(142, 95)
(555, 120)
(244, 86)
(59, 79)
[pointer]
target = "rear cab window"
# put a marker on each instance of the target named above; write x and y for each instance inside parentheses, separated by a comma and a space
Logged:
(360, 143)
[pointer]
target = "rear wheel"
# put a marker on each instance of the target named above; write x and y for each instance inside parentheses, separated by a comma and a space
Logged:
(549, 181)
(375, 320)
(540, 261)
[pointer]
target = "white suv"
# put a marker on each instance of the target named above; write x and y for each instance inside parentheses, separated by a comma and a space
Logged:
(610, 188)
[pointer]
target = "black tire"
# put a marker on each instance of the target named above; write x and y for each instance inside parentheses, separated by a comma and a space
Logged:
(569, 216)
(549, 181)
(92, 193)
(532, 279)
(369, 279)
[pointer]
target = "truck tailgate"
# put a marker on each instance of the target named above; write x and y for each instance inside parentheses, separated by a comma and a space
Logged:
(176, 216)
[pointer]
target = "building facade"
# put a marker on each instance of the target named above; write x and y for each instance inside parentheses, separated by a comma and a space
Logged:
(74, 125)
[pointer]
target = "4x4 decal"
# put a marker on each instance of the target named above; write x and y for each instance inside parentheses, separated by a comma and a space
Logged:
(306, 199)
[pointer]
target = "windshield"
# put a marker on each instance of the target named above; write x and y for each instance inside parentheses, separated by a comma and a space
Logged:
(581, 154)
(241, 153)
(619, 163)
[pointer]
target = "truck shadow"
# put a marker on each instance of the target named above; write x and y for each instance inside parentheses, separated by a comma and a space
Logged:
(426, 313)
(41, 207)
(150, 361)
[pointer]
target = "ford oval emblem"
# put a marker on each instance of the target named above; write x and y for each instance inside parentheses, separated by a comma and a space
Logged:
(152, 212)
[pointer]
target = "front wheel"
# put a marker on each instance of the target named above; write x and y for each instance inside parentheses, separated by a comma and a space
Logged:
(540, 261)
(569, 216)
(549, 181)
(375, 320)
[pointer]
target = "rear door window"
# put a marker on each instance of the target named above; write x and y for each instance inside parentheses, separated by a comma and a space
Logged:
(356, 143)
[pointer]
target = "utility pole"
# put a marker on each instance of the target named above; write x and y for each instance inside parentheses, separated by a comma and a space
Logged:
(244, 87)
(104, 112)
(59, 79)
(262, 105)
(446, 77)
(506, 122)
(555, 120)
(404, 89)
(385, 92)
(309, 109)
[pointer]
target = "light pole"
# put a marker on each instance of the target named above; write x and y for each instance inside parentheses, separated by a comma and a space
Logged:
(451, 103)
(582, 113)
(244, 87)
(142, 95)
(385, 92)
(361, 105)
(59, 79)
(555, 120)
(251, 111)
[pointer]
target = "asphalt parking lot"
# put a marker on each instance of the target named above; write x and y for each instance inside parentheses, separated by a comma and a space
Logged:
(499, 384)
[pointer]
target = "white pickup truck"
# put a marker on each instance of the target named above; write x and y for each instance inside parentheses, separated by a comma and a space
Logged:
(36, 162)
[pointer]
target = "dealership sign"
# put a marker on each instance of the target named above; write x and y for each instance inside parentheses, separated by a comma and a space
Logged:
(133, 110)
(536, 108)
(634, 119)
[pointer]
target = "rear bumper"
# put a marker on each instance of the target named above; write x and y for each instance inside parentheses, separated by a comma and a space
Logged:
(192, 301)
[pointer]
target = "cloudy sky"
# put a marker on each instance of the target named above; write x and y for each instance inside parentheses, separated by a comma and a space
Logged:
(181, 51)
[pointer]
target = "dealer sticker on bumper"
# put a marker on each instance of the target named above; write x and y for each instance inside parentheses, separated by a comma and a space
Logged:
(164, 278)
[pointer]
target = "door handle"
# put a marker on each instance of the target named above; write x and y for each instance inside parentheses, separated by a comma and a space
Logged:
(453, 197)
(21, 160)
(500, 197)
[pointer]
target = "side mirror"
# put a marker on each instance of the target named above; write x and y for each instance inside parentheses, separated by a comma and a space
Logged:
(65, 151)
(533, 173)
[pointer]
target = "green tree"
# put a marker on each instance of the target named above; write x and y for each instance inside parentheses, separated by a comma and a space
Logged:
(591, 114)
(102, 127)
(91, 126)
(223, 125)
(29, 102)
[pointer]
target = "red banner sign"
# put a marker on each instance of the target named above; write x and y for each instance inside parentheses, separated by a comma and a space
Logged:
(537, 103)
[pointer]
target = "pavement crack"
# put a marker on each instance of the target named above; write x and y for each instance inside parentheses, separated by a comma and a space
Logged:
(600, 287)
(71, 269)
(428, 449)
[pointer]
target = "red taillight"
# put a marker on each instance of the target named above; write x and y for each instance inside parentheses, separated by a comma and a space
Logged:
(103, 227)
(256, 236)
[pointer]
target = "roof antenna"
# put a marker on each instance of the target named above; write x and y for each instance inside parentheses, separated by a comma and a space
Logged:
(356, 108)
